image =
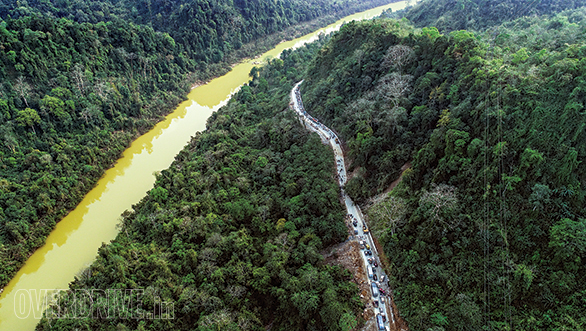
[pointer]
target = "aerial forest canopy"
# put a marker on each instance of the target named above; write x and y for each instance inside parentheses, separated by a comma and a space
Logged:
(232, 232)
(80, 79)
(207, 29)
(452, 15)
(486, 230)
(487, 226)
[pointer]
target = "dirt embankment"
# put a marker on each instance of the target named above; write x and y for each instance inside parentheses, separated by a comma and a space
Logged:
(347, 254)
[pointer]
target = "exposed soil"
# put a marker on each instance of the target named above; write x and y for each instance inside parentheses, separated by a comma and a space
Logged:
(377, 198)
(393, 184)
(347, 254)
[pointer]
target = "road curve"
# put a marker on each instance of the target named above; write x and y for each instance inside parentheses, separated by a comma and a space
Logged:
(329, 137)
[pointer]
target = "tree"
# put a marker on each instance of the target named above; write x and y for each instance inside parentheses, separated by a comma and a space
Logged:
(396, 57)
(53, 106)
(393, 86)
(28, 117)
(9, 138)
(103, 89)
(78, 77)
(387, 215)
(568, 239)
(439, 206)
(348, 322)
(90, 113)
(22, 88)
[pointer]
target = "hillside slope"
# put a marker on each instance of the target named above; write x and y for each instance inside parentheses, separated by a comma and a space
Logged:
(231, 232)
(73, 94)
(452, 15)
(487, 226)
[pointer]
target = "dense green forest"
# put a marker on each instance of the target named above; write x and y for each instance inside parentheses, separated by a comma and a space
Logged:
(75, 92)
(232, 231)
(207, 29)
(452, 15)
(488, 227)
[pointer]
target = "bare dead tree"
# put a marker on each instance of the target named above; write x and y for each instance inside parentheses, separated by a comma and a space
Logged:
(90, 113)
(78, 77)
(388, 214)
(103, 89)
(145, 61)
(22, 88)
(358, 55)
(362, 109)
(396, 57)
(393, 86)
(440, 204)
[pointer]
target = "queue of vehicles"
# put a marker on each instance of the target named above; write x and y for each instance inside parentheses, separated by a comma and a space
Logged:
(329, 136)
(377, 292)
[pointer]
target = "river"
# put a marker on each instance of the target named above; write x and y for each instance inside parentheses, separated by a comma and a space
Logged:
(73, 244)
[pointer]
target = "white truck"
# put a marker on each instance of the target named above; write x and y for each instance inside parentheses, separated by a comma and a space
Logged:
(370, 273)
(374, 290)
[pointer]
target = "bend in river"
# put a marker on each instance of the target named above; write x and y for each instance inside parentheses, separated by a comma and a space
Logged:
(73, 244)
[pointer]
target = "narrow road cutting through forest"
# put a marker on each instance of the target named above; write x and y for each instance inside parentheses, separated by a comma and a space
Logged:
(380, 295)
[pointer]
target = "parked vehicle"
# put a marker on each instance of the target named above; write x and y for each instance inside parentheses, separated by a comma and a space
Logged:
(369, 270)
(375, 264)
(374, 276)
(380, 322)
(367, 246)
(375, 303)
(374, 288)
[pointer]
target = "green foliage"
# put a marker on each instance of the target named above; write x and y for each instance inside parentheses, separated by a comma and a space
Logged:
(222, 238)
(81, 79)
(481, 14)
(28, 117)
(207, 30)
(568, 240)
(495, 136)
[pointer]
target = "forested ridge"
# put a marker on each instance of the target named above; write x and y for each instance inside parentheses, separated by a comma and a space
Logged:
(75, 91)
(487, 226)
(452, 15)
(207, 29)
(486, 230)
(231, 232)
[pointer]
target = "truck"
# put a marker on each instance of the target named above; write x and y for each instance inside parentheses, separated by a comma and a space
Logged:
(380, 322)
(374, 290)
(370, 274)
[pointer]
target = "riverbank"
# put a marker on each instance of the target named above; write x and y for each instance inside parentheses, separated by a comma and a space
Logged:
(15, 258)
(77, 237)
